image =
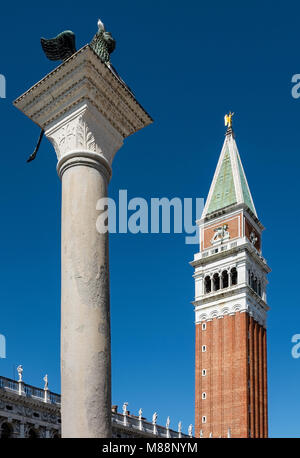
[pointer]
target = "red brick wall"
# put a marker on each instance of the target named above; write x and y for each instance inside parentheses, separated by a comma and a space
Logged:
(234, 228)
(231, 361)
(258, 379)
(248, 229)
(265, 382)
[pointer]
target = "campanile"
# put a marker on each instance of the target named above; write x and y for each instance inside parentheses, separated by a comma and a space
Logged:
(230, 307)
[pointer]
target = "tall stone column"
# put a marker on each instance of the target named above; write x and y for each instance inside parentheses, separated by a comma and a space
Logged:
(86, 112)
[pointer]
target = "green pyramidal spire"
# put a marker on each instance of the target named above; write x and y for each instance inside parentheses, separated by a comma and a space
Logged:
(229, 185)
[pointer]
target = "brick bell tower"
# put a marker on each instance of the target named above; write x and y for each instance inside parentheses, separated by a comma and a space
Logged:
(230, 307)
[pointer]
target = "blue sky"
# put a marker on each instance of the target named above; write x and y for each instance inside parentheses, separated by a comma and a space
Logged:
(188, 63)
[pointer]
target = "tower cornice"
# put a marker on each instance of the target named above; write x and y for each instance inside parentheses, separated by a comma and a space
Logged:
(211, 311)
(229, 210)
(245, 246)
(232, 292)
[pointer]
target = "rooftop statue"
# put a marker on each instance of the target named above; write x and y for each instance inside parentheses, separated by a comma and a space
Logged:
(103, 43)
(154, 418)
(124, 408)
(20, 373)
(46, 382)
(62, 46)
(228, 119)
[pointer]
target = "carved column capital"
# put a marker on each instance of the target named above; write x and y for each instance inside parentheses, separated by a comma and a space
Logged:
(84, 137)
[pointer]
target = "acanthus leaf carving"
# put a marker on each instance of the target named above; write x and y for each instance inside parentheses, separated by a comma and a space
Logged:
(85, 138)
(86, 131)
(66, 136)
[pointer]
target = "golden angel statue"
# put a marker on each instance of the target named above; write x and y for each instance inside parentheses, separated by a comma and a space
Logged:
(228, 119)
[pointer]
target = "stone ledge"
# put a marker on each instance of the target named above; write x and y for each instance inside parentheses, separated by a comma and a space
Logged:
(83, 77)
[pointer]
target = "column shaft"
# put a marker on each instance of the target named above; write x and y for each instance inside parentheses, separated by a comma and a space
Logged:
(85, 315)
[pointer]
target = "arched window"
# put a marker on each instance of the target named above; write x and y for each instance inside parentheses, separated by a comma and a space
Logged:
(259, 288)
(234, 276)
(252, 280)
(207, 284)
(225, 279)
(32, 434)
(255, 284)
(216, 282)
(6, 431)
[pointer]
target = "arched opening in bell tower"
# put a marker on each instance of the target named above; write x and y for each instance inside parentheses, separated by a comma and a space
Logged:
(225, 279)
(207, 284)
(234, 276)
(216, 282)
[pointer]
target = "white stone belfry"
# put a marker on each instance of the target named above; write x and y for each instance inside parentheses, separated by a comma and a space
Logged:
(86, 112)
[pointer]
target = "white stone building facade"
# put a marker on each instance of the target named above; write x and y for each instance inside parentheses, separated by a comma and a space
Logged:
(30, 412)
